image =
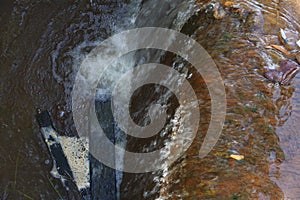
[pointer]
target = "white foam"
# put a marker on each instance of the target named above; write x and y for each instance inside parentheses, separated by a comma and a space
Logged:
(109, 76)
(269, 61)
(76, 152)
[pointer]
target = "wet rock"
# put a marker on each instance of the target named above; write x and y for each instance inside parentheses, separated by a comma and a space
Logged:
(285, 73)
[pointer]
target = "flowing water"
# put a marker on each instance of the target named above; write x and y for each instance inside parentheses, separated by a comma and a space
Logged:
(44, 42)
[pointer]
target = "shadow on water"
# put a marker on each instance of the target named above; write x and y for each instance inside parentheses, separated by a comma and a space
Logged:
(43, 42)
(38, 41)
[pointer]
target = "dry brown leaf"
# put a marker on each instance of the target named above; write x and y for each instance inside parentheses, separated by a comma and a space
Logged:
(283, 36)
(279, 48)
(237, 157)
(229, 3)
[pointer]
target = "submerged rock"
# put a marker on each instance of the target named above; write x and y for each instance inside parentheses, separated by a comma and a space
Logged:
(285, 73)
(70, 156)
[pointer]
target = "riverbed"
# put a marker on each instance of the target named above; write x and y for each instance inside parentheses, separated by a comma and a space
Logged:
(44, 42)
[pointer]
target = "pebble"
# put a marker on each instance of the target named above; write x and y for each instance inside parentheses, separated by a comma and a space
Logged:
(47, 162)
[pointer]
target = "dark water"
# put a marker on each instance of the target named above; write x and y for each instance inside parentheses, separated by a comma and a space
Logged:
(37, 39)
(43, 42)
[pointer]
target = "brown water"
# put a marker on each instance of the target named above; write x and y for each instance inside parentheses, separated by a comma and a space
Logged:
(42, 41)
(262, 118)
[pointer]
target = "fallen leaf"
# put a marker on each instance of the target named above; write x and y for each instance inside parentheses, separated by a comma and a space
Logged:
(237, 157)
(279, 48)
(229, 3)
(283, 36)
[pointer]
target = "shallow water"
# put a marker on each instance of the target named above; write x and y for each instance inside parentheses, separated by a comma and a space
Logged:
(261, 117)
(43, 42)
